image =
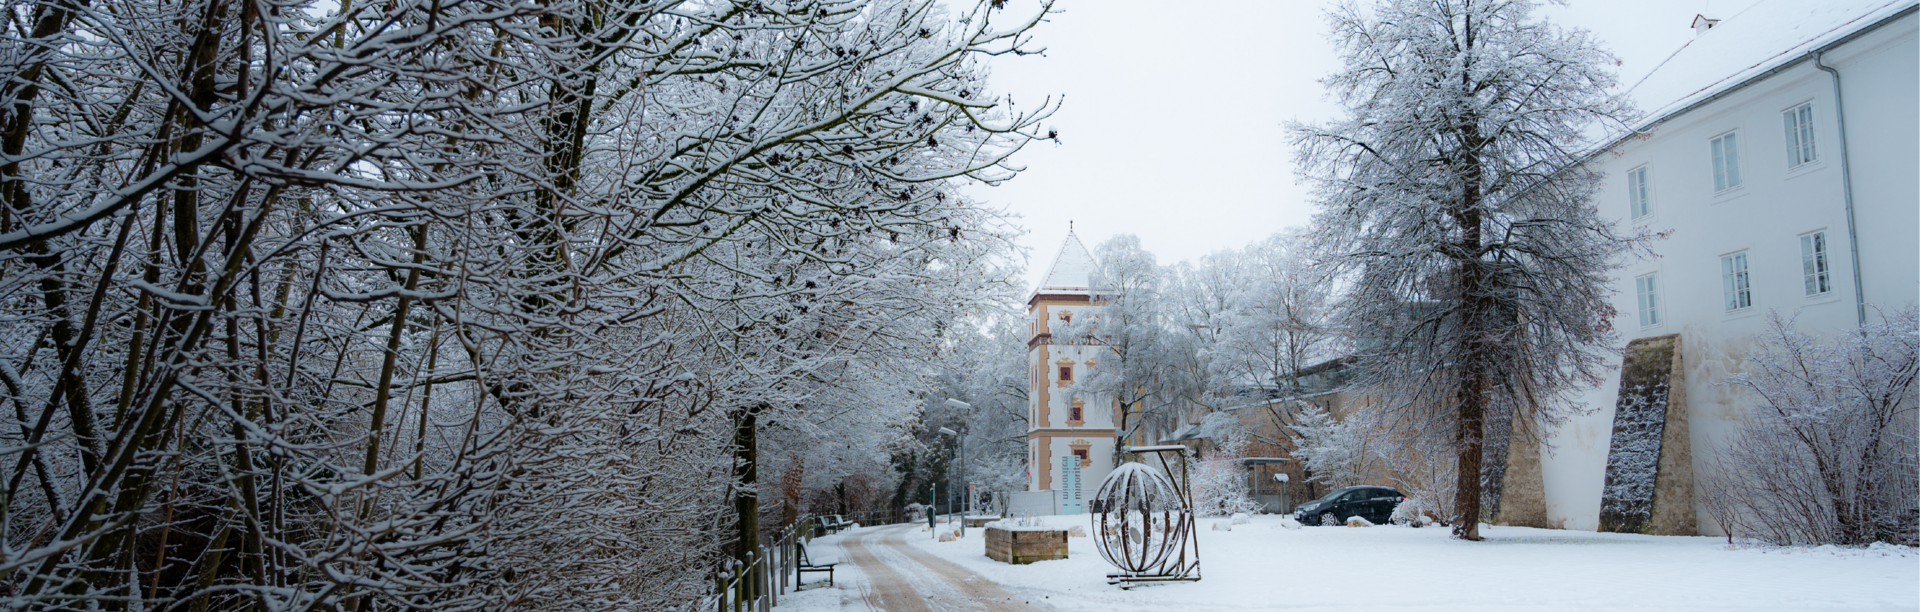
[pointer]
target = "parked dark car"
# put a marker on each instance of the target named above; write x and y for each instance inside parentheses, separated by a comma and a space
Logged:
(1370, 502)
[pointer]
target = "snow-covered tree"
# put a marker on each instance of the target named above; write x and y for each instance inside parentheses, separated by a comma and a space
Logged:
(1453, 203)
(983, 363)
(1339, 452)
(1141, 369)
(1283, 320)
(369, 305)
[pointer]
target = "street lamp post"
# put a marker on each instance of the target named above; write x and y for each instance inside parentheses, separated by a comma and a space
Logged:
(966, 508)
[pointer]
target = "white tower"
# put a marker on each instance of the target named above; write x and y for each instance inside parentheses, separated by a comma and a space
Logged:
(1063, 422)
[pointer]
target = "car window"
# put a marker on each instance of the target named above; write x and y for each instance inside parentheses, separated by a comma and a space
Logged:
(1355, 496)
(1385, 494)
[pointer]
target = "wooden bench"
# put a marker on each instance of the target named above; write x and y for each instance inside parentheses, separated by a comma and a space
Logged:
(809, 564)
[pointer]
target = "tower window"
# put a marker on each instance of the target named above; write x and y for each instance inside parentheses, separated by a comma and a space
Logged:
(1066, 373)
(1073, 413)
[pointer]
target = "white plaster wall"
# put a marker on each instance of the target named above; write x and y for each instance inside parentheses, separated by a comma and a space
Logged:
(1765, 217)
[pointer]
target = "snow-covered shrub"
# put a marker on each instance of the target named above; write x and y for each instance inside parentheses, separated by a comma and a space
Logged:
(1411, 511)
(1287, 522)
(1220, 488)
(1222, 526)
(1358, 521)
(1076, 532)
(1241, 518)
(1828, 454)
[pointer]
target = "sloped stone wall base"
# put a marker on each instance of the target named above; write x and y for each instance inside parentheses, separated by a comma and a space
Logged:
(1650, 460)
(1523, 500)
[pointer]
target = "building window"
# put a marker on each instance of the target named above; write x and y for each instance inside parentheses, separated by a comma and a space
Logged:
(1647, 287)
(1066, 317)
(1726, 161)
(1799, 120)
(1075, 413)
(1066, 373)
(1813, 263)
(1080, 454)
(1733, 281)
(1637, 193)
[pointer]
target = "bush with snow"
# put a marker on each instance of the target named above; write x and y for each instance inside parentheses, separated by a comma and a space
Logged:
(1220, 488)
(1241, 518)
(1415, 512)
(1222, 526)
(1827, 454)
(1358, 521)
(1287, 522)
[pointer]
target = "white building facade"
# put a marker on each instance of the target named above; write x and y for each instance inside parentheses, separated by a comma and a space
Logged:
(1065, 424)
(1767, 202)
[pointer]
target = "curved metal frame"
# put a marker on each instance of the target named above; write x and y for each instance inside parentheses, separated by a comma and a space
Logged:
(1144, 523)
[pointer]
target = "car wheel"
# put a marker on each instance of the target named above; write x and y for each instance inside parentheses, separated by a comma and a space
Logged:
(1327, 520)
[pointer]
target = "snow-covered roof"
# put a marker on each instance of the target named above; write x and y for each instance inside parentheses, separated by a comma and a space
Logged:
(1767, 35)
(1072, 270)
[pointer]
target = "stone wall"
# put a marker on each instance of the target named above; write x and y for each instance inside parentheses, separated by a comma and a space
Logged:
(1649, 482)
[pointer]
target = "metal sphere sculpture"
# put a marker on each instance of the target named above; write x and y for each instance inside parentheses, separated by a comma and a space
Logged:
(1140, 522)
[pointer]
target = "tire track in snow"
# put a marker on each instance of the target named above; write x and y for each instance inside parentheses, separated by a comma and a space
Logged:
(924, 581)
(886, 590)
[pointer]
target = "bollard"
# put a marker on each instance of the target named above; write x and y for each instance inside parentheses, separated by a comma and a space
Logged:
(766, 602)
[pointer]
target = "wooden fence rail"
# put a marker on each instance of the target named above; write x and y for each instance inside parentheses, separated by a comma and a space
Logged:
(757, 584)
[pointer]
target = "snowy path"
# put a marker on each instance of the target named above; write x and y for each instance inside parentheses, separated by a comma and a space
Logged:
(906, 579)
(880, 571)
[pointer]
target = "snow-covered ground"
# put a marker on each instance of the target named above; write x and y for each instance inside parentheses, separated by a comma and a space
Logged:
(1262, 566)
(849, 583)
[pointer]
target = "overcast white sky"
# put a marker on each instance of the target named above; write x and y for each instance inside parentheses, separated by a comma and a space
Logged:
(1173, 122)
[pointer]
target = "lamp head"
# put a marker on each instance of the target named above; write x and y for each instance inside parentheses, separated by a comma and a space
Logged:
(948, 432)
(959, 404)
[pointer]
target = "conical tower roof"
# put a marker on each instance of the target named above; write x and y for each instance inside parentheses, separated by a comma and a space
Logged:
(1071, 272)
